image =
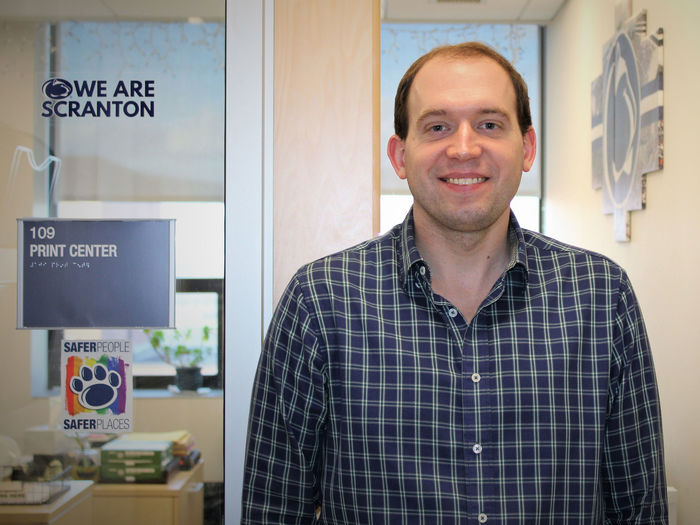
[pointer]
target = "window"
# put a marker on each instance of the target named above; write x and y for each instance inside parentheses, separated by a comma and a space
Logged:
(142, 137)
(404, 43)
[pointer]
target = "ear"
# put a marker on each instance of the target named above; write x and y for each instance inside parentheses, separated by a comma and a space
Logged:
(529, 148)
(395, 149)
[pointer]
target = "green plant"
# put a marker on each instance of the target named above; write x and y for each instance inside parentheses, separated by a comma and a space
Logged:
(84, 459)
(181, 352)
(87, 462)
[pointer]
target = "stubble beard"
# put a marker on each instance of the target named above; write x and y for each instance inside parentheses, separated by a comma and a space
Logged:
(467, 219)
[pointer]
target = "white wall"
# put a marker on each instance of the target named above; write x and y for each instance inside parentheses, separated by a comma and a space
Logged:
(661, 258)
(17, 408)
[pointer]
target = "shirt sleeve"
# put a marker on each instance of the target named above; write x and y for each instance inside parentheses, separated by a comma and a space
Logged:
(633, 461)
(287, 415)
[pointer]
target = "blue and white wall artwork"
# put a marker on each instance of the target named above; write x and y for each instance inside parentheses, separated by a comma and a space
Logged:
(627, 118)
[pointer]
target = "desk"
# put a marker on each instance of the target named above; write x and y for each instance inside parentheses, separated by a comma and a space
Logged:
(178, 502)
(74, 506)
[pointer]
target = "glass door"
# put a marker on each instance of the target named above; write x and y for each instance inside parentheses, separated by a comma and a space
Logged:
(116, 112)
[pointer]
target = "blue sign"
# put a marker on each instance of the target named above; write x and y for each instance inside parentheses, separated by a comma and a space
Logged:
(95, 273)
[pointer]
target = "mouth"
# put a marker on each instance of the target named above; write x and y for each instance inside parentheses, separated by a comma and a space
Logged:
(464, 181)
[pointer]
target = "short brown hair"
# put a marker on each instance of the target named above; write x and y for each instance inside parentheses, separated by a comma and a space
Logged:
(463, 50)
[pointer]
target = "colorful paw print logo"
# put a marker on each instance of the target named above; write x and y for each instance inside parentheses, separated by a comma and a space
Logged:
(95, 385)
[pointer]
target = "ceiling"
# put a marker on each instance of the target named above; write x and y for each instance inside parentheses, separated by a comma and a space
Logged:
(524, 11)
(527, 11)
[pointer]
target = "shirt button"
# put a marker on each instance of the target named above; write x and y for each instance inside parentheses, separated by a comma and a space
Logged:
(476, 377)
(483, 518)
(452, 312)
(422, 270)
(477, 449)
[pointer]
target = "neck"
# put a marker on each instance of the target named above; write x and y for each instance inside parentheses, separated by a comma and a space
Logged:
(464, 265)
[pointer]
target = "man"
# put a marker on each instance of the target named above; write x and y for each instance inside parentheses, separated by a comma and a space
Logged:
(458, 369)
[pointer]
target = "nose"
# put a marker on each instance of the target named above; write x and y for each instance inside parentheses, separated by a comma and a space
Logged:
(464, 143)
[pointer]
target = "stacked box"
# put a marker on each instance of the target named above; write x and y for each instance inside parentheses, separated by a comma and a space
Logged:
(125, 461)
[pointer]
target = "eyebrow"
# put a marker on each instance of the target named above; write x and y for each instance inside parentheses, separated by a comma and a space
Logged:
(430, 113)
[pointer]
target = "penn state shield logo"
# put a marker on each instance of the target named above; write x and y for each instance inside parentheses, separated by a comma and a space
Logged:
(627, 120)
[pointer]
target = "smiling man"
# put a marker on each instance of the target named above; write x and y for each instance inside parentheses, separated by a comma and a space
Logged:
(458, 369)
(463, 154)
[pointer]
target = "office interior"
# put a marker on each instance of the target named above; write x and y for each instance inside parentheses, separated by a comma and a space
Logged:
(300, 169)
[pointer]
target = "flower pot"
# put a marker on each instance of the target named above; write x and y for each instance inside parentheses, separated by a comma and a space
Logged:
(189, 378)
(87, 465)
(90, 472)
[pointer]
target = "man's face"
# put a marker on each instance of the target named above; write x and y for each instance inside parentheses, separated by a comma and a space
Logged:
(464, 153)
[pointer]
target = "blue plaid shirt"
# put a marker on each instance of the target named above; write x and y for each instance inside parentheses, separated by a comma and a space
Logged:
(375, 401)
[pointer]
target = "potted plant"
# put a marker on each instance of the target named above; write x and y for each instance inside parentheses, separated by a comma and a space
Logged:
(87, 462)
(178, 349)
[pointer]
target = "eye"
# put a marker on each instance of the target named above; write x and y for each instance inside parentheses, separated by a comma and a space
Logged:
(437, 128)
(490, 125)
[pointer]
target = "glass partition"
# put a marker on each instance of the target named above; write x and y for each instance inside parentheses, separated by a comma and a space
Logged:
(116, 112)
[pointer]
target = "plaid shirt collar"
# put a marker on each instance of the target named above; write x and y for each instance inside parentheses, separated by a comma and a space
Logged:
(410, 259)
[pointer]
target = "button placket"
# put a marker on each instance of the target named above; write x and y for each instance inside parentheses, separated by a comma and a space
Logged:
(476, 359)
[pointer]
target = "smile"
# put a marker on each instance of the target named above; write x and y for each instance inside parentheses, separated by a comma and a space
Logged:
(464, 181)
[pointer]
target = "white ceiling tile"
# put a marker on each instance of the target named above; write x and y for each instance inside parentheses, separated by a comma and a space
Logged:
(536, 11)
